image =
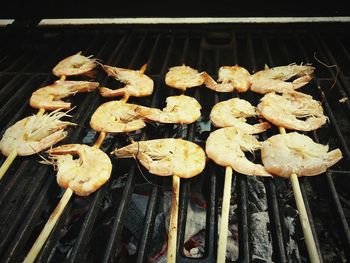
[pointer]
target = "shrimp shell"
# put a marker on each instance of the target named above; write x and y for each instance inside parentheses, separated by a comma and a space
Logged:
(226, 147)
(183, 77)
(34, 134)
(275, 79)
(296, 111)
(167, 157)
(85, 174)
(233, 113)
(76, 64)
(49, 97)
(285, 154)
(231, 78)
(137, 83)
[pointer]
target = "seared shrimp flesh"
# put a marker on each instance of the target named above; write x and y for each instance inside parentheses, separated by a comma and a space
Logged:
(296, 111)
(231, 78)
(275, 79)
(183, 77)
(166, 157)
(137, 84)
(50, 97)
(285, 154)
(233, 113)
(84, 175)
(74, 65)
(34, 134)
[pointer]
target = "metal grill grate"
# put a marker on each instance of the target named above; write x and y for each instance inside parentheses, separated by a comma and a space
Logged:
(91, 228)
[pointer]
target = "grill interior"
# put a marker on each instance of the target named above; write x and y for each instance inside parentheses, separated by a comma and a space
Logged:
(92, 228)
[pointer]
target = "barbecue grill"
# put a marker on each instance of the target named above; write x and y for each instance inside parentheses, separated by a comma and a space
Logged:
(110, 225)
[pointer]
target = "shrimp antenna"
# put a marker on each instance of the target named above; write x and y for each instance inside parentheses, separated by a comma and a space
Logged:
(329, 66)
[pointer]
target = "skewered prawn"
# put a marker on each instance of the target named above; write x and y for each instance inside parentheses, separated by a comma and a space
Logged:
(183, 77)
(117, 116)
(137, 83)
(285, 154)
(85, 174)
(275, 79)
(295, 110)
(226, 147)
(179, 109)
(231, 78)
(233, 113)
(166, 157)
(74, 65)
(49, 97)
(34, 134)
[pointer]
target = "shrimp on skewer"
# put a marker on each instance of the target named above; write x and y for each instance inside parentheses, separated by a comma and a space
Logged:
(233, 113)
(294, 153)
(166, 157)
(76, 64)
(49, 97)
(117, 116)
(34, 134)
(85, 174)
(179, 109)
(275, 79)
(137, 83)
(295, 110)
(231, 78)
(226, 147)
(183, 77)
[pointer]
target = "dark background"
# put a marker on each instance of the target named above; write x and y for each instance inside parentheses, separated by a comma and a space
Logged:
(22, 9)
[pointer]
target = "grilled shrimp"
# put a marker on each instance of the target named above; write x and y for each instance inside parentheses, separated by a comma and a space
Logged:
(74, 65)
(85, 174)
(275, 79)
(49, 97)
(183, 77)
(284, 154)
(34, 134)
(117, 116)
(233, 113)
(179, 109)
(226, 147)
(137, 83)
(231, 78)
(166, 157)
(296, 111)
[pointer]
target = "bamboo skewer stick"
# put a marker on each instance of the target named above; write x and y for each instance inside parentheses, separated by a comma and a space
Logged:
(221, 254)
(174, 214)
(304, 220)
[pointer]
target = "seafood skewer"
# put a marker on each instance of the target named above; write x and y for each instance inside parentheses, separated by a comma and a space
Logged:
(226, 147)
(165, 157)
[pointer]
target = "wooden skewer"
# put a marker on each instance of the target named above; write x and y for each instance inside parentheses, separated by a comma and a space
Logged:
(304, 220)
(39, 242)
(174, 214)
(221, 255)
(41, 239)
